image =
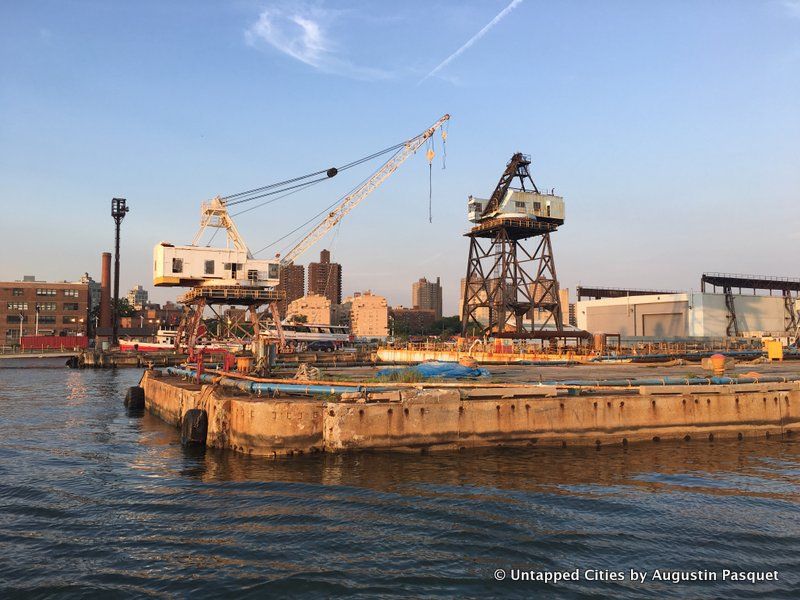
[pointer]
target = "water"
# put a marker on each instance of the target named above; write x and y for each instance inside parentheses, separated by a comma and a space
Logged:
(94, 502)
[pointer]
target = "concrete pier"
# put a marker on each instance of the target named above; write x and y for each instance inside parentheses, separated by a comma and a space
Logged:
(456, 418)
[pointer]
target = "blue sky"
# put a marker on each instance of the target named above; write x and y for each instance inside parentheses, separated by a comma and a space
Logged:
(671, 128)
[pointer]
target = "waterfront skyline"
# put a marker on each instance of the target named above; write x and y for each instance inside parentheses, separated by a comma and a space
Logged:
(678, 119)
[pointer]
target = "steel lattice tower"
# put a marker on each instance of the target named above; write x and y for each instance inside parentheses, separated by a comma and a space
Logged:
(509, 277)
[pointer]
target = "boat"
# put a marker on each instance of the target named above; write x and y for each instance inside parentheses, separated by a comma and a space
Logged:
(165, 342)
(310, 332)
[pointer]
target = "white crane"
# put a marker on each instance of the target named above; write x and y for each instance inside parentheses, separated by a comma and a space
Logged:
(370, 185)
(193, 265)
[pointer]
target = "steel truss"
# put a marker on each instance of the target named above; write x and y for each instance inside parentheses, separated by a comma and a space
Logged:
(507, 281)
(205, 320)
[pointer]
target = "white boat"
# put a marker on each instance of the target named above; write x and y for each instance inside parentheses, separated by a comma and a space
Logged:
(310, 332)
(165, 342)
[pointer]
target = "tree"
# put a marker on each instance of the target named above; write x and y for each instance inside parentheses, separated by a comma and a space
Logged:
(124, 308)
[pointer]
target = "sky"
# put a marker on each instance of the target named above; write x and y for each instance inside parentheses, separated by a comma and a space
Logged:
(671, 129)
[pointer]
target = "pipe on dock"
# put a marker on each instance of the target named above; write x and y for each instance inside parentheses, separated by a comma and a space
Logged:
(256, 387)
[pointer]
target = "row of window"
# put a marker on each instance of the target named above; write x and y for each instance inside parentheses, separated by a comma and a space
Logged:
(46, 292)
(43, 320)
(13, 334)
(537, 206)
(43, 306)
(209, 268)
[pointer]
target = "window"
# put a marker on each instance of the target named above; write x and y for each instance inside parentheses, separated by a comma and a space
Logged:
(177, 265)
(66, 319)
(537, 206)
(45, 292)
(17, 306)
(17, 292)
(209, 267)
(47, 320)
(12, 333)
(519, 204)
(46, 307)
(252, 274)
(71, 293)
(70, 306)
(15, 319)
(273, 270)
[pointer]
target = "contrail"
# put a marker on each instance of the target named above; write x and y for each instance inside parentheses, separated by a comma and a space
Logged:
(500, 16)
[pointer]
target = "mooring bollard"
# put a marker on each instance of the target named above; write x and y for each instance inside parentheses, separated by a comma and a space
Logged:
(134, 399)
(194, 427)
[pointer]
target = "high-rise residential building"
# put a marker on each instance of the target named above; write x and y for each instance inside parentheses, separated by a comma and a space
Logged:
(369, 315)
(292, 282)
(31, 307)
(94, 290)
(137, 297)
(315, 308)
(325, 278)
(428, 295)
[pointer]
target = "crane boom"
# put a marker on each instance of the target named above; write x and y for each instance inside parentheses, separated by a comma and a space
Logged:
(353, 199)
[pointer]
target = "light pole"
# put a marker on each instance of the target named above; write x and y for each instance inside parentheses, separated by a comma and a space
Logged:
(118, 210)
(21, 318)
(37, 320)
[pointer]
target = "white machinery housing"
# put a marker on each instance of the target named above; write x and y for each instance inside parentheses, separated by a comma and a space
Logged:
(517, 203)
(189, 266)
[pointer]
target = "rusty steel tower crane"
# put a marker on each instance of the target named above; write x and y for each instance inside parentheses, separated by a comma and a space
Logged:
(506, 281)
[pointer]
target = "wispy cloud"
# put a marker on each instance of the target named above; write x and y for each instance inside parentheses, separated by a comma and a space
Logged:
(792, 7)
(499, 17)
(302, 32)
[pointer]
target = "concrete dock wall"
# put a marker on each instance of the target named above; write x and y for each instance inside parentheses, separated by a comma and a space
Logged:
(446, 419)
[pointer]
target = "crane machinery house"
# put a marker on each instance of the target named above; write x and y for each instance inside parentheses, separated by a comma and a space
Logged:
(189, 266)
(193, 265)
(520, 204)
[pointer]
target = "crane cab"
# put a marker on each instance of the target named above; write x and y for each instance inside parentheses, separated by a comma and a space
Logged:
(520, 204)
(190, 266)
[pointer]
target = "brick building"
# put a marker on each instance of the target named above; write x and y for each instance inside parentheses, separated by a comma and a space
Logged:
(428, 295)
(30, 307)
(325, 278)
(412, 321)
(292, 281)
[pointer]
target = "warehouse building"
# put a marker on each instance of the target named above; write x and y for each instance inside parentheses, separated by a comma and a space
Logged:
(686, 314)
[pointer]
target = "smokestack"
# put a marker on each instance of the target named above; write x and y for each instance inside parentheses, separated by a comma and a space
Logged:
(105, 290)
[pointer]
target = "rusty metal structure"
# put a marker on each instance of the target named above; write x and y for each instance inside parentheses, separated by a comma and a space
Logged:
(509, 278)
(597, 292)
(232, 276)
(729, 281)
(234, 327)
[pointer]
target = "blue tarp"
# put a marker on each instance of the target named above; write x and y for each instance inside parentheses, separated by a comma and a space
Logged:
(439, 370)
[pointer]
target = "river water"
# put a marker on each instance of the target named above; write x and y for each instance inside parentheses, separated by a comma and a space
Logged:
(98, 503)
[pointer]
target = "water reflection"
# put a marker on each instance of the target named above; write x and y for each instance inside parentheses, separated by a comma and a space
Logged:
(96, 501)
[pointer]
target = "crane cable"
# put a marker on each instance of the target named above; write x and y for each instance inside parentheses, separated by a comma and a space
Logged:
(445, 127)
(330, 207)
(429, 155)
(261, 192)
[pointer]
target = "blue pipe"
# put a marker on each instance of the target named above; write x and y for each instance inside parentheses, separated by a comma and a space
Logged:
(252, 387)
